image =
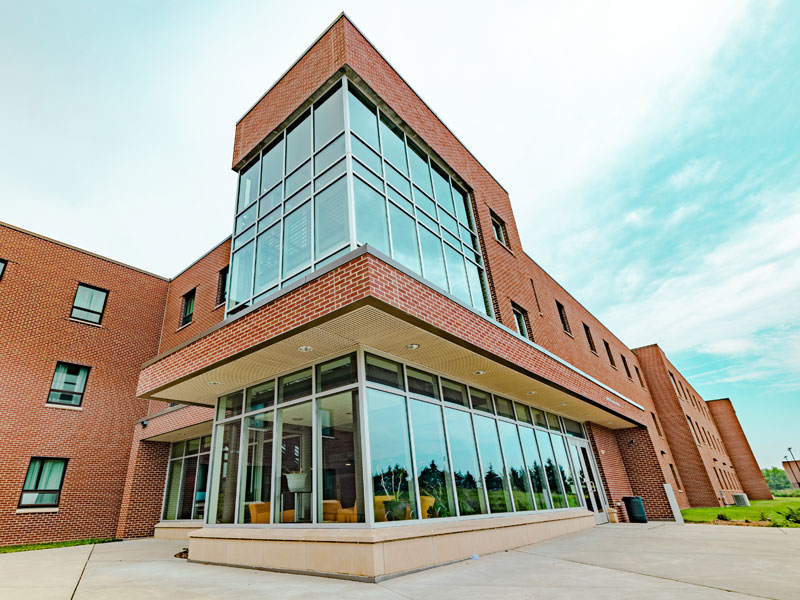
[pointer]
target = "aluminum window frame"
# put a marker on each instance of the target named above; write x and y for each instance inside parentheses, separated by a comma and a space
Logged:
(38, 479)
(82, 393)
(172, 459)
(100, 314)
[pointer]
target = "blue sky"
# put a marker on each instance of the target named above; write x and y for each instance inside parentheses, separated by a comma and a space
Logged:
(651, 152)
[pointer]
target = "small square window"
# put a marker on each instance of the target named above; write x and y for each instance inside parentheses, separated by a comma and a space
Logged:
(89, 303)
(187, 308)
(610, 355)
(43, 482)
(589, 338)
(562, 312)
(499, 229)
(3, 263)
(521, 320)
(222, 286)
(69, 384)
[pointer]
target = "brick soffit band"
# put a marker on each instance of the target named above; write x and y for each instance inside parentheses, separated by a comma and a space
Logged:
(366, 249)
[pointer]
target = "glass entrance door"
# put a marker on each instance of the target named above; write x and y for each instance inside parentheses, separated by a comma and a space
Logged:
(589, 481)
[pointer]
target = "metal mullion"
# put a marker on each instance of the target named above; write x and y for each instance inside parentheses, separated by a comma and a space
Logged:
(480, 464)
(366, 463)
(527, 465)
(546, 487)
(413, 457)
(240, 469)
(211, 464)
(450, 460)
(348, 150)
(315, 448)
(330, 183)
(164, 495)
(505, 466)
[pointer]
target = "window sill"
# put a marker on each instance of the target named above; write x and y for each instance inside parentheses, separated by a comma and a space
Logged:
(220, 305)
(82, 322)
(49, 509)
(183, 326)
(62, 406)
(595, 353)
(568, 333)
(614, 367)
(502, 245)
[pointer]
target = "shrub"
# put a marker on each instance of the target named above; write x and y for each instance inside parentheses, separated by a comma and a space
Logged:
(786, 493)
(792, 515)
(723, 517)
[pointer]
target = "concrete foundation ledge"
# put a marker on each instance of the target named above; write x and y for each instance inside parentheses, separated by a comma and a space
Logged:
(379, 553)
(176, 530)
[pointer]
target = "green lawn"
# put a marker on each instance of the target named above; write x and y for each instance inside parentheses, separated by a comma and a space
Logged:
(23, 547)
(771, 508)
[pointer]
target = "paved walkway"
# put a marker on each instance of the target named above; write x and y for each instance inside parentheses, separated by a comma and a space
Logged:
(653, 562)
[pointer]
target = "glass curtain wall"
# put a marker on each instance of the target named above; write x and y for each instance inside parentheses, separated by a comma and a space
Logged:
(340, 175)
(187, 478)
(365, 438)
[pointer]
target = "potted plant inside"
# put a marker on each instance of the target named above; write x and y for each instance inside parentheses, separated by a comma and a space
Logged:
(296, 479)
(394, 483)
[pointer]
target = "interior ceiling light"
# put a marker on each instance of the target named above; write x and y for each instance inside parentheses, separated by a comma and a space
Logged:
(479, 372)
(564, 404)
(213, 383)
(531, 393)
(412, 346)
(305, 348)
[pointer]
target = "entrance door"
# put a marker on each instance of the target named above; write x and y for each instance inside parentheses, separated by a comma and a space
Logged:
(591, 487)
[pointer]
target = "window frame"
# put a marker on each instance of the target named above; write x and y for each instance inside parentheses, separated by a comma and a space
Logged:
(521, 313)
(627, 368)
(45, 491)
(89, 310)
(3, 266)
(610, 354)
(498, 225)
(183, 322)
(223, 276)
(590, 339)
(639, 375)
(562, 313)
(81, 393)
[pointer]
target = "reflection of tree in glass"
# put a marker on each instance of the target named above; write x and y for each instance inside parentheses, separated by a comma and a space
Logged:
(494, 482)
(517, 478)
(433, 482)
(393, 481)
(466, 482)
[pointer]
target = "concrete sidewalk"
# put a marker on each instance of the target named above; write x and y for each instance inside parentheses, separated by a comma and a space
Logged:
(654, 561)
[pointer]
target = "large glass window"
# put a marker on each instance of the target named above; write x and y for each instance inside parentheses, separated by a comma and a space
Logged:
(89, 303)
(493, 467)
(464, 454)
(69, 384)
(42, 486)
(515, 466)
(551, 470)
(255, 497)
(187, 478)
(226, 472)
(295, 208)
(340, 474)
(565, 469)
(436, 496)
(541, 492)
(394, 496)
(294, 464)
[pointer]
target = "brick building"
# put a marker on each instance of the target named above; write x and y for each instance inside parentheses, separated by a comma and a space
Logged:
(368, 377)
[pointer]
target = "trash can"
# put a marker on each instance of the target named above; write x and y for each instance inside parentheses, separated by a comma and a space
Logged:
(635, 509)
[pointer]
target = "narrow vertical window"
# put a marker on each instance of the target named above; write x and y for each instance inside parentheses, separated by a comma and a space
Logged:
(499, 229)
(610, 354)
(3, 263)
(521, 321)
(639, 375)
(222, 286)
(627, 369)
(43, 482)
(69, 384)
(674, 384)
(562, 312)
(589, 338)
(89, 303)
(675, 477)
(536, 297)
(187, 308)
(655, 422)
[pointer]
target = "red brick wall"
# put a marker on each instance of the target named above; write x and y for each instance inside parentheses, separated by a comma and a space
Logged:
(694, 461)
(742, 457)
(644, 471)
(36, 295)
(143, 497)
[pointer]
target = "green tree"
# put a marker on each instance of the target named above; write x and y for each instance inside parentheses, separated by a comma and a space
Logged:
(776, 479)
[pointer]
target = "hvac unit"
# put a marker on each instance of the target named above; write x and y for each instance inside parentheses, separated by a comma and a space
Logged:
(741, 500)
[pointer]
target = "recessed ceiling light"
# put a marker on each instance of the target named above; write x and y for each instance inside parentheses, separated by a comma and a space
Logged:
(531, 393)
(412, 346)
(479, 372)
(609, 422)
(305, 348)
(297, 419)
(587, 414)
(213, 383)
(564, 404)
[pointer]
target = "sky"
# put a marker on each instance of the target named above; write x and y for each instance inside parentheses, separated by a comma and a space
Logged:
(651, 150)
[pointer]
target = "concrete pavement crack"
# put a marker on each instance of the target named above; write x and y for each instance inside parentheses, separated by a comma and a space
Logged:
(83, 570)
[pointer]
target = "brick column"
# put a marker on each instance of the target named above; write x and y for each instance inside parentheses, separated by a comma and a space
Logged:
(144, 487)
(644, 471)
(611, 466)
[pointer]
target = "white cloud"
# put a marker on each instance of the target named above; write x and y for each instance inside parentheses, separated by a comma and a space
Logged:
(695, 172)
